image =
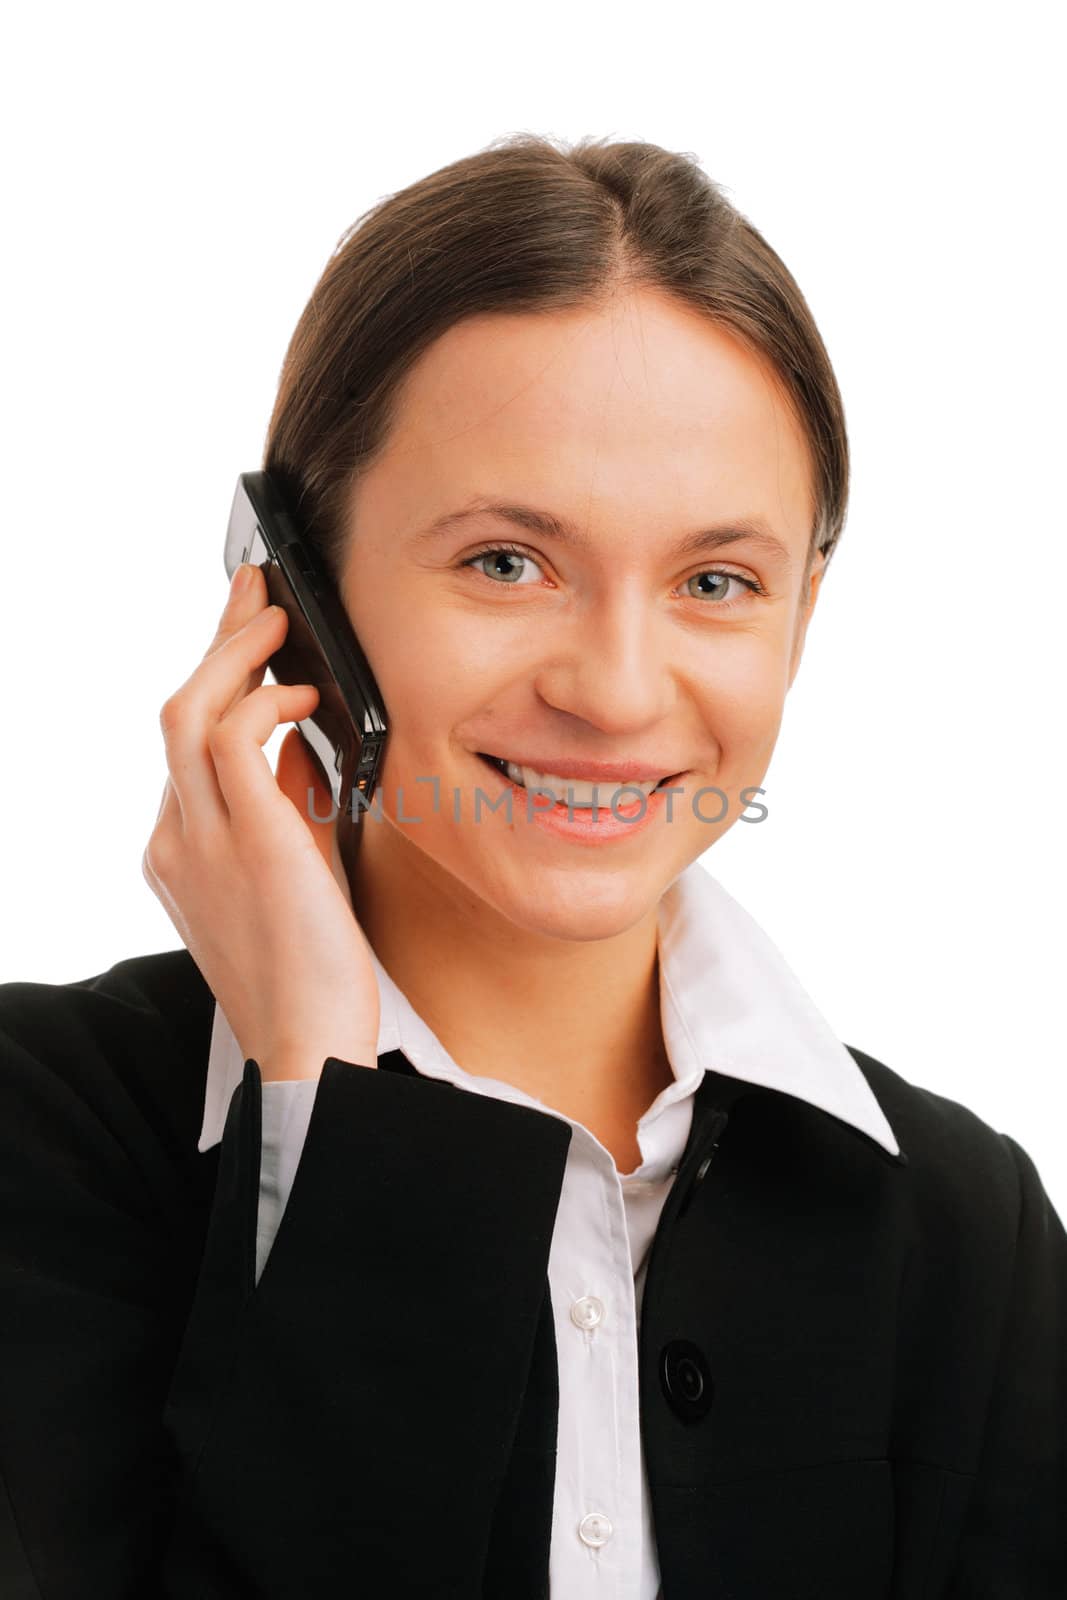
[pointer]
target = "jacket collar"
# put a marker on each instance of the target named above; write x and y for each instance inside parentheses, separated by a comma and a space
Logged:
(729, 1004)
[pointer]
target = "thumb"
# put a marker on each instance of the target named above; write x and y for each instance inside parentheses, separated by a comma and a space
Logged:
(302, 778)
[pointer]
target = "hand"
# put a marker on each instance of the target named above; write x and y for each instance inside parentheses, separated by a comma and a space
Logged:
(254, 886)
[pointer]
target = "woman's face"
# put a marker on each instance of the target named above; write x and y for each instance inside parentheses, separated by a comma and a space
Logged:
(614, 637)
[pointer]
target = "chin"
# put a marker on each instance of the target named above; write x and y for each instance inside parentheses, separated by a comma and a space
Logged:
(574, 902)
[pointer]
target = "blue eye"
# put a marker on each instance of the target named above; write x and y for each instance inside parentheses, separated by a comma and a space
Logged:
(503, 573)
(512, 566)
(724, 577)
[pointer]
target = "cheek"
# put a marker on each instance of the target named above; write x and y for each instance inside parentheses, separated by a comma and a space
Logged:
(440, 663)
(421, 711)
(742, 693)
(431, 679)
(413, 653)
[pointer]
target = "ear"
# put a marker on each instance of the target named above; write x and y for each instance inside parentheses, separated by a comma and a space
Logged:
(806, 605)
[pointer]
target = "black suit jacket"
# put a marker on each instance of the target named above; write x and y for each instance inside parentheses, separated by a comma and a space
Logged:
(852, 1365)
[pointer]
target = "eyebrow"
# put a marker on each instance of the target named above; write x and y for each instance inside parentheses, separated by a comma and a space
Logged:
(752, 529)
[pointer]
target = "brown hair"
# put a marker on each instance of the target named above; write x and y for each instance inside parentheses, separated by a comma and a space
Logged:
(531, 224)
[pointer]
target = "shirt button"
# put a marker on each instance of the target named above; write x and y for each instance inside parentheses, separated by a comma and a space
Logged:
(587, 1312)
(595, 1529)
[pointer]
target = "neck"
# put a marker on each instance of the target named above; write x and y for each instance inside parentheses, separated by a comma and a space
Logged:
(575, 1024)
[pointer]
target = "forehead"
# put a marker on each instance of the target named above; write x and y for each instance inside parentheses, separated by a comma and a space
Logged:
(638, 409)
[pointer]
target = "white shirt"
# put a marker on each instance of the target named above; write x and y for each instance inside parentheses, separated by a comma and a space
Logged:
(728, 1002)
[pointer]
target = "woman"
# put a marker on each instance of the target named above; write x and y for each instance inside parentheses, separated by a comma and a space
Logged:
(680, 1295)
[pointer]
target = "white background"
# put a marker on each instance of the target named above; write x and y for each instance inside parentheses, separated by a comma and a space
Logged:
(174, 185)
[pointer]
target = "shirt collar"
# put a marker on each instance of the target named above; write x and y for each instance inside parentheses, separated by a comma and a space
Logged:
(728, 1003)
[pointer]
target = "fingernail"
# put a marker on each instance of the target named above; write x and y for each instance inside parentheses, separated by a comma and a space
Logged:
(241, 579)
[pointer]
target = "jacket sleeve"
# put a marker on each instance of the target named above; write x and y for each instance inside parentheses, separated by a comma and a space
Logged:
(91, 1285)
(170, 1427)
(1014, 1543)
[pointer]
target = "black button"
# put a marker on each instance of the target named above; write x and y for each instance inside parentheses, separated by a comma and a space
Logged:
(686, 1380)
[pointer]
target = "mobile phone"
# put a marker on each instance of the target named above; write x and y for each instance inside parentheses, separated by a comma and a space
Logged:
(347, 730)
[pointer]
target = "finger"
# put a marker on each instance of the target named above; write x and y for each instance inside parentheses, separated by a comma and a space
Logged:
(247, 595)
(188, 718)
(246, 582)
(248, 786)
(168, 790)
(168, 818)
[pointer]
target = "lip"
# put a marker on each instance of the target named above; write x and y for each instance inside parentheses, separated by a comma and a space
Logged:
(588, 771)
(578, 825)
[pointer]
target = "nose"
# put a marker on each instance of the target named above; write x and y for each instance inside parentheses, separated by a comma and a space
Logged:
(610, 666)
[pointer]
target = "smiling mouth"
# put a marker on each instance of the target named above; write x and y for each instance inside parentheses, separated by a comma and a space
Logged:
(584, 791)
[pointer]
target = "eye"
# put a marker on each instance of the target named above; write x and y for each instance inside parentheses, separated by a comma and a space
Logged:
(723, 579)
(509, 567)
(512, 566)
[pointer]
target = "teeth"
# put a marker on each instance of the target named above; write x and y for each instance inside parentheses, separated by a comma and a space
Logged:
(573, 790)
